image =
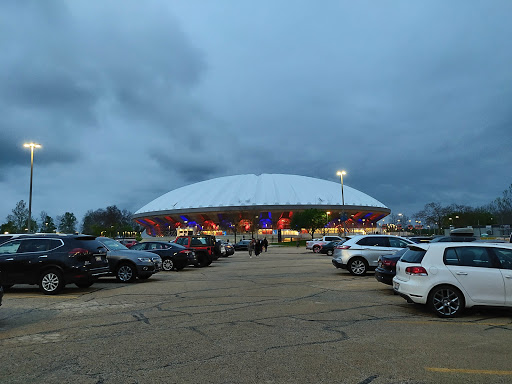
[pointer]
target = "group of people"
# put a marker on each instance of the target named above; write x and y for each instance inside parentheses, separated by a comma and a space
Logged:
(257, 246)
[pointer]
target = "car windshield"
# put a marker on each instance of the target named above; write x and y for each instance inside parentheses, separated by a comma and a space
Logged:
(112, 245)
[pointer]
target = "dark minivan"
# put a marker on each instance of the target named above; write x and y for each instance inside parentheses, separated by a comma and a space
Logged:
(52, 261)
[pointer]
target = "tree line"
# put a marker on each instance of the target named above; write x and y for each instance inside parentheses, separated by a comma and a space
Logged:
(109, 221)
(433, 215)
(437, 216)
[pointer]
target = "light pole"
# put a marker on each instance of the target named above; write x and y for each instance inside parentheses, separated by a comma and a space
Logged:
(328, 213)
(341, 174)
(31, 146)
(400, 229)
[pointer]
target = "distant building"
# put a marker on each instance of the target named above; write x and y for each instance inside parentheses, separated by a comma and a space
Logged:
(265, 203)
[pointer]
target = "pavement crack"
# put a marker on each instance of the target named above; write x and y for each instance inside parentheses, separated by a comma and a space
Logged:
(369, 379)
(141, 317)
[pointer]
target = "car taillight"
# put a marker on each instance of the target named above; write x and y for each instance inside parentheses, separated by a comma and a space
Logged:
(418, 271)
(388, 263)
(79, 252)
(343, 247)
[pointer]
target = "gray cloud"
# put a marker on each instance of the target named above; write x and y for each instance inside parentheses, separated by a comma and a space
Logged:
(412, 99)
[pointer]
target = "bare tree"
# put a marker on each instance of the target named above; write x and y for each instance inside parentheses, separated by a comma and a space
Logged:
(433, 214)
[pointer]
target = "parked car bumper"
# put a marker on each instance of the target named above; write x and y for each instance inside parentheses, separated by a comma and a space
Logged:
(148, 268)
(337, 264)
(410, 291)
(384, 276)
(192, 259)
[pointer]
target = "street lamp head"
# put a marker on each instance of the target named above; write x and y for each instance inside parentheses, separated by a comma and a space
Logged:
(341, 173)
(32, 145)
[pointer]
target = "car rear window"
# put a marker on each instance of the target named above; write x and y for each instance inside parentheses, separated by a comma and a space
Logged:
(413, 255)
(199, 241)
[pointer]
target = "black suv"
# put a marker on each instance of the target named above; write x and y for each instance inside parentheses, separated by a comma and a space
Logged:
(52, 261)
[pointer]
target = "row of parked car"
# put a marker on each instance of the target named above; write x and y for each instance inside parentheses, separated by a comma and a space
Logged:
(446, 273)
(52, 261)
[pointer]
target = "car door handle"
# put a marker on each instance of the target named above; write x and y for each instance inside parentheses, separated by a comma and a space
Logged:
(11, 259)
(462, 273)
(508, 277)
(43, 256)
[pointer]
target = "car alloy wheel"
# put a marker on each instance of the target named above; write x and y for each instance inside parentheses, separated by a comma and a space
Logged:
(126, 273)
(357, 266)
(51, 282)
(316, 249)
(446, 301)
(167, 264)
(329, 253)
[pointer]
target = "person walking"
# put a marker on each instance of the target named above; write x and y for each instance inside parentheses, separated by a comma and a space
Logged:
(250, 248)
(265, 244)
(257, 247)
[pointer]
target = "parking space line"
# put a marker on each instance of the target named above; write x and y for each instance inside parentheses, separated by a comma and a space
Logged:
(434, 322)
(21, 296)
(471, 371)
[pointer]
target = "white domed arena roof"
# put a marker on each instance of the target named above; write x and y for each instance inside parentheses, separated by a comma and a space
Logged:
(248, 191)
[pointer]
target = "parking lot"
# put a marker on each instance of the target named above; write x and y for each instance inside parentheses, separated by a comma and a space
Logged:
(287, 316)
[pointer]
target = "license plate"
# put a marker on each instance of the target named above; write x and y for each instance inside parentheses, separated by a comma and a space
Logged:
(98, 258)
(396, 286)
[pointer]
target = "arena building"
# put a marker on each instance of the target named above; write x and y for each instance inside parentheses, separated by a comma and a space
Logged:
(266, 203)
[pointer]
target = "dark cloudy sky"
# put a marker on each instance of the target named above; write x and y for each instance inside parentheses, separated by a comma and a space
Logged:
(131, 99)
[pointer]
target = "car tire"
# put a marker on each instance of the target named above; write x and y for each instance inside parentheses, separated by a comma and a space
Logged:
(446, 301)
(180, 267)
(168, 264)
(316, 249)
(357, 266)
(203, 260)
(329, 252)
(126, 273)
(84, 284)
(51, 282)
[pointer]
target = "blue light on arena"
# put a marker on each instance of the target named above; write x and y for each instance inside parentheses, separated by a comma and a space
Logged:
(265, 223)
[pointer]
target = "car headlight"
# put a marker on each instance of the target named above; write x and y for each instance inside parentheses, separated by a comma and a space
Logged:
(144, 259)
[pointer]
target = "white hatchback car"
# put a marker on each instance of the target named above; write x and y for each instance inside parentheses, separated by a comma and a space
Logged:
(361, 253)
(450, 277)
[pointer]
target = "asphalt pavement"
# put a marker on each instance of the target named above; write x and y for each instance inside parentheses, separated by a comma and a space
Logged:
(287, 316)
